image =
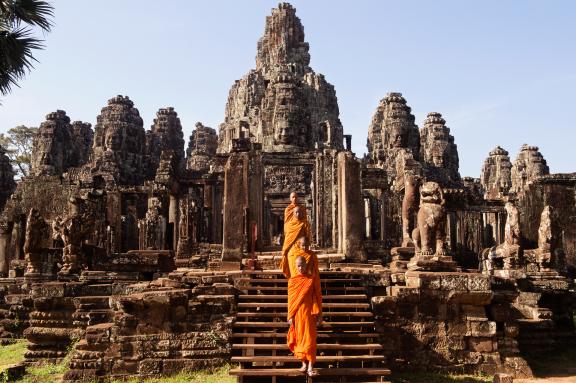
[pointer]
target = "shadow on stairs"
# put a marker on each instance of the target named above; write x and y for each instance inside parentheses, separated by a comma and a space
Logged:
(347, 343)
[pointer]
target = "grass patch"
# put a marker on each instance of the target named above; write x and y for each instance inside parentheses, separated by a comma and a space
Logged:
(49, 373)
(12, 353)
(433, 377)
(219, 375)
(53, 373)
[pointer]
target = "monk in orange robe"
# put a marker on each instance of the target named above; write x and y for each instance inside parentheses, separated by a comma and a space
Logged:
(302, 249)
(304, 314)
(289, 211)
(294, 229)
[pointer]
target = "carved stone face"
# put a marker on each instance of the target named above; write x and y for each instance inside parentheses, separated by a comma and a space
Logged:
(397, 137)
(431, 192)
(438, 160)
(282, 128)
(112, 139)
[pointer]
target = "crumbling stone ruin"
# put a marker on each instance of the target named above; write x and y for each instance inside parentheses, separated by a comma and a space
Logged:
(146, 260)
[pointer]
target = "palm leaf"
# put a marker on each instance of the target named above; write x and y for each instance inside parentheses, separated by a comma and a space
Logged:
(33, 12)
(16, 56)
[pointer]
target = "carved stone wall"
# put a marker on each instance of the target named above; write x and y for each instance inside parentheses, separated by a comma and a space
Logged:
(202, 146)
(529, 165)
(559, 192)
(82, 138)
(282, 104)
(165, 134)
(496, 174)
(392, 128)
(119, 142)
(438, 152)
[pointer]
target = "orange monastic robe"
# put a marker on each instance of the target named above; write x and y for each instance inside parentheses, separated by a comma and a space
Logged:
(311, 261)
(304, 305)
(289, 213)
(293, 229)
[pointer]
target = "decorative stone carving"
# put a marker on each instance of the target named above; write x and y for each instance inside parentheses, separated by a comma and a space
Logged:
(284, 179)
(430, 234)
(186, 227)
(165, 134)
(119, 142)
(544, 253)
(73, 229)
(496, 174)
(545, 229)
(529, 165)
(438, 152)
(505, 256)
(48, 150)
(408, 179)
(36, 228)
(512, 227)
(392, 128)
(282, 104)
(82, 138)
(474, 190)
(155, 226)
(202, 147)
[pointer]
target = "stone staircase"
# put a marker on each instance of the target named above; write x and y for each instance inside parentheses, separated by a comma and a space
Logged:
(348, 348)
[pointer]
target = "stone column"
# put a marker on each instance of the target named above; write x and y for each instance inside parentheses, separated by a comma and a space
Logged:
(255, 196)
(350, 208)
(235, 206)
(5, 233)
(173, 219)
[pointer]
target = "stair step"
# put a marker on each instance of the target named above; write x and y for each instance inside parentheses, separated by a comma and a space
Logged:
(277, 272)
(271, 297)
(320, 335)
(325, 314)
(283, 288)
(320, 346)
(283, 305)
(321, 372)
(285, 281)
(324, 325)
(319, 359)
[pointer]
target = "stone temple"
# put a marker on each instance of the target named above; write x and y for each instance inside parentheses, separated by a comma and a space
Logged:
(141, 258)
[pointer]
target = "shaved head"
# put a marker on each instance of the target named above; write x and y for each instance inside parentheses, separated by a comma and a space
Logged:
(294, 197)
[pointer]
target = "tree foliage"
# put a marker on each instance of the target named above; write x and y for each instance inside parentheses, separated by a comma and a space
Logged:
(18, 18)
(18, 145)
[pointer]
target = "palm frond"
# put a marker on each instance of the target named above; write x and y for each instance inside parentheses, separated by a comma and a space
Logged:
(33, 12)
(16, 57)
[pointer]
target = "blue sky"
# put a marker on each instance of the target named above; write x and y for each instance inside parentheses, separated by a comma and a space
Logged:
(500, 72)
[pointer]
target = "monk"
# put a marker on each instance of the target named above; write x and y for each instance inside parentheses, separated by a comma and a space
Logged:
(304, 314)
(294, 229)
(302, 249)
(289, 211)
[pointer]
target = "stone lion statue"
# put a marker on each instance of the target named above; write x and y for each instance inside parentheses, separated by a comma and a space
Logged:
(431, 221)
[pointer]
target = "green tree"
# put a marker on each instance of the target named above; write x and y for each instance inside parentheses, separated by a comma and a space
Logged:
(17, 41)
(18, 145)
